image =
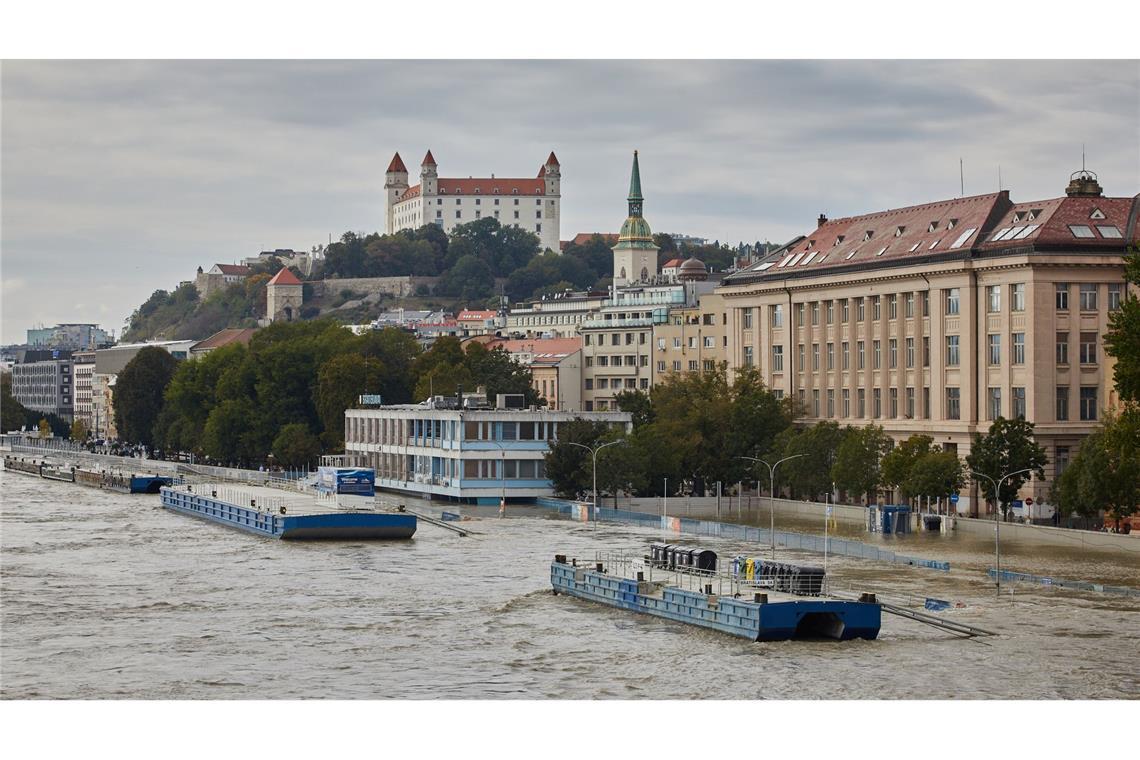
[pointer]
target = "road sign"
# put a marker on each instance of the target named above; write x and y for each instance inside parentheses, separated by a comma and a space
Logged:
(953, 498)
(1029, 502)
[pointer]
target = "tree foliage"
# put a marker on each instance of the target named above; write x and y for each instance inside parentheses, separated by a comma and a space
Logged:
(296, 447)
(139, 394)
(899, 462)
(1105, 474)
(1008, 447)
(1122, 340)
(858, 462)
(935, 475)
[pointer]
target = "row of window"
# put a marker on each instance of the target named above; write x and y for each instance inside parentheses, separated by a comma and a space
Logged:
(628, 360)
(459, 201)
(615, 339)
(919, 304)
(617, 383)
(708, 365)
(1088, 403)
(479, 215)
(708, 341)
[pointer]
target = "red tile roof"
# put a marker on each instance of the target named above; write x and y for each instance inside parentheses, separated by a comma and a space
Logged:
(1046, 224)
(428, 160)
(472, 315)
(545, 350)
(552, 160)
(241, 269)
(224, 338)
(584, 237)
(397, 164)
(482, 186)
(284, 277)
(672, 264)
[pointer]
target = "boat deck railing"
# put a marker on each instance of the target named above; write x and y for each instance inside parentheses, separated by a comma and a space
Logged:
(270, 502)
(722, 580)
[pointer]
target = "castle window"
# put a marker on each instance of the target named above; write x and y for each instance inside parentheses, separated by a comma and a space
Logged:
(537, 214)
(477, 200)
(458, 214)
(439, 201)
(496, 192)
(496, 201)
(516, 199)
(514, 191)
(538, 201)
(458, 201)
(538, 228)
(516, 217)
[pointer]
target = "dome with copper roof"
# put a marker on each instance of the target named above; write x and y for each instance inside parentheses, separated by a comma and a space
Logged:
(691, 270)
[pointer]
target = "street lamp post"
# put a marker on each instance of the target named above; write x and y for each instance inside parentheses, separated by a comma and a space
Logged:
(772, 508)
(594, 456)
(502, 478)
(997, 514)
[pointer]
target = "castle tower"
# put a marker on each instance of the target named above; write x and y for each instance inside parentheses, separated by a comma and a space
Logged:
(429, 178)
(395, 185)
(283, 297)
(551, 174)
(635, 255)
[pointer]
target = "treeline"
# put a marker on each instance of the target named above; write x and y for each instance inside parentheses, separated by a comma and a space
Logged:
(697, 430)
(286, 393)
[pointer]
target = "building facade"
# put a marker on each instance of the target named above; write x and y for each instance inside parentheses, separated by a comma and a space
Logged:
(530, 204)
(693, 339)
(45, 384)
(558, 315)
(70, 336)
(938, 318)
(82, 375)
(447, 448)
(555, 365)
(284, 295)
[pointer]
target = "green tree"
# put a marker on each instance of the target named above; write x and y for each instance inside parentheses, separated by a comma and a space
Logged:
(138, 394)
(1122, 340)
(79, 431)
(621, 467)
(229, 435)
(340, 381)
(858, 462)
(816, 449)
(568, 466)
(471, 279)
(295, 446)
(934, 475)
(900, 461)
(1008, 447)
(13, 414)
(44, 428)
(1105, 474)
(638, 404)
(500, 373)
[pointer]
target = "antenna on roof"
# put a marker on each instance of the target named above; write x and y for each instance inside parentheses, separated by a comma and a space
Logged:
(1082, 156)
(962, 178)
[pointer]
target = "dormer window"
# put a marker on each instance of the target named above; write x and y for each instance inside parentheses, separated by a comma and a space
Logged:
(868, 235)
(838, 240)
(1033, 214)
(933, 226)
(1018, 216)
(514, 191)
(1097, 214)
(899, 231)
(495, 191)
(952, 224)
(476, 191)
(811, 244)
(882, 251)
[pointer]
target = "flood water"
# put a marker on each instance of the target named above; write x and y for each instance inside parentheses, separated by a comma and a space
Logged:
(109, 596)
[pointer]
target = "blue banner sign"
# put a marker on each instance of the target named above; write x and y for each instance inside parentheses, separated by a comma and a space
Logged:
(356, 481)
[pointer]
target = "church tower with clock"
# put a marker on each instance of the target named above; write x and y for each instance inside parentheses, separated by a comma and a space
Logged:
(635, 255)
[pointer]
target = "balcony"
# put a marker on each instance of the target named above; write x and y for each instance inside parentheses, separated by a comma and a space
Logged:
(588, 324)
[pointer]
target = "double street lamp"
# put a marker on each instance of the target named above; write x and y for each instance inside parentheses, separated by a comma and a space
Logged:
(772, 482)
(594, 456)
(997, 513)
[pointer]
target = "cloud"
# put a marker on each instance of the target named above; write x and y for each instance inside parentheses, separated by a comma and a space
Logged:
(122, 177)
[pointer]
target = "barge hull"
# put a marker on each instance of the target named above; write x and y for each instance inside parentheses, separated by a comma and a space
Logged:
(773, 621)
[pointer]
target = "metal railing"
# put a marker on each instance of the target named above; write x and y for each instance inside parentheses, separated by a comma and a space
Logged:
(629, 563)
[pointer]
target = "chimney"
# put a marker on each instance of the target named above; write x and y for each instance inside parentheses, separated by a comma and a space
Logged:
(822, 220)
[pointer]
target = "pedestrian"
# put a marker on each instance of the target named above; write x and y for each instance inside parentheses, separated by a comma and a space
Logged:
(503, 506)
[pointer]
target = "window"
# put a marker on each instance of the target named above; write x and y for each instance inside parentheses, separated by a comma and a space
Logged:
(910, 352)
(538, 201)
(692, 365)
(893, 353)
(747, 319)
(604, 383)
(860, 354)
(926, 403)
(877, 402)
(893, 403)
(747, 356)
(1062, 348)
(1109, 231)
(876, 354)
(777, 316)
(458, 201)
(676, 366)
(993, 298)
(1115, 293)
(1017, 297)
(909, 404)
(458, 214)
(876, 312)
(830, 403)
(478, 214)
(438, 214)
(815, 403)
(844, 310)
(1062, 403)
(860, 312)
(516, 215)
(1018, 403)
(676, 342)
(1061, 459)
(831, 356)
(538, 228)
(846, 355)
(537, 214)
(710, 342)
(952, 301)
(908, 305)
(925, 303)
(516, 199)
(926, 351)
(1088, 403)
(993, 398)
(846, 396)
(1062, 295)
(802, 354)
(603, 361)
(861, 403)
(1018, 354)
(815, 312)
(1088, 296)
(815, 357)
(953, 404)
(994, 342)
(1081, 231)
(830, 312)
(777, 358)
(799, 315)
(892, 306)
(951, 350)
(661, 364)
(1088, 348)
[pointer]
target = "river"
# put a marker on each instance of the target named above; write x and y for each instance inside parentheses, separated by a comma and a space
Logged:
(109, 596)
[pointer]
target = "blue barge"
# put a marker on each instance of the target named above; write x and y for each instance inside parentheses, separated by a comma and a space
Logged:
(767, 617)
(273, 519)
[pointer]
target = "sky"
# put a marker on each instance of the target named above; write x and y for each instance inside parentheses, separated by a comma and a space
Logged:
(122, 177)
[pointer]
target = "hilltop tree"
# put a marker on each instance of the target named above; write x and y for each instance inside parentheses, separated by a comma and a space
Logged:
(138, 394)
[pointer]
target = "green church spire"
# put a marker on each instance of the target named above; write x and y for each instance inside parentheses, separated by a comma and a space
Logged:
(635, 189)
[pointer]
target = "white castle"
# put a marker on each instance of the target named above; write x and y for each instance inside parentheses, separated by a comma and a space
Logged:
(531, 204)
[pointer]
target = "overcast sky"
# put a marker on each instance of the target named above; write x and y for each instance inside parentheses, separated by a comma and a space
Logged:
(119, 178)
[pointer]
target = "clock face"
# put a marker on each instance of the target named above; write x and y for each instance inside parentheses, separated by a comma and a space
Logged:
(634, 209)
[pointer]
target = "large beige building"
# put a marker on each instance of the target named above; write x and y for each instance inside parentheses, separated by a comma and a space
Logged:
(938, 318)
(694, 339)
